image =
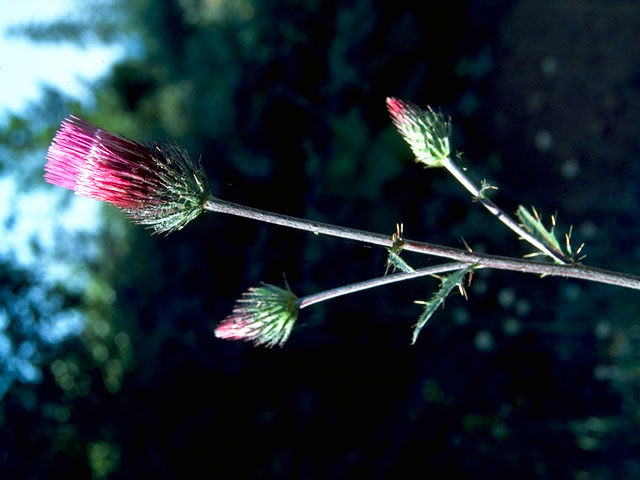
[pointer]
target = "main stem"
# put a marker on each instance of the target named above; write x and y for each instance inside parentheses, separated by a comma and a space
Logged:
(482, 260)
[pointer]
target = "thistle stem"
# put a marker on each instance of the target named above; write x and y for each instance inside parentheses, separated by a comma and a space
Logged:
(578, 271)
(466, 182)
(376, 282)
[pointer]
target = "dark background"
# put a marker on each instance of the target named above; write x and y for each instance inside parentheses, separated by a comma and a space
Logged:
(285, 103)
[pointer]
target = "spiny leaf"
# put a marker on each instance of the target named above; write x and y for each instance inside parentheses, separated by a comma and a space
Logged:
(533, 224)
(448, 282)
(393, 260)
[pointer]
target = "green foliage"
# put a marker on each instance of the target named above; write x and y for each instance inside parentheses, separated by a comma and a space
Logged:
(360, 160)
(533, 224)
(103, 458)
(76, 31)
(447, 284)
(394, 260)
(397, 263)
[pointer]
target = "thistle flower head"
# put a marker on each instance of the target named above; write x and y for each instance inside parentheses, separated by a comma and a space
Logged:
(426, 131)
(264, 315)
(156, 184)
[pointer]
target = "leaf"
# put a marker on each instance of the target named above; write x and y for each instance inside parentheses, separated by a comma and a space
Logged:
(448, 282)
(393, 260)
(533, 224)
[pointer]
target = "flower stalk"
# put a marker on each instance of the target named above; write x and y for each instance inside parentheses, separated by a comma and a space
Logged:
(378, 282)
(487, 203)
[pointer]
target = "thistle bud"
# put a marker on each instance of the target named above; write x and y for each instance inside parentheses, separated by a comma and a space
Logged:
(264, 315)
(426, 131)
(155, 184)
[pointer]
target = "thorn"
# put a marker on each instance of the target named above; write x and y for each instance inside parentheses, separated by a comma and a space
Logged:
(466, 245)
(286, 283)
(535, 213)
(396, 237)
(386, 269)
(470, 278)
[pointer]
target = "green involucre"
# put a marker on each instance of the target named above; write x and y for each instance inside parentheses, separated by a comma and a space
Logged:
(265, 315)
(427, 132)
(180, 190)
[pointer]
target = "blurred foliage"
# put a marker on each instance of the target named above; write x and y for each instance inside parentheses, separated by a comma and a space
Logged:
(284, 101)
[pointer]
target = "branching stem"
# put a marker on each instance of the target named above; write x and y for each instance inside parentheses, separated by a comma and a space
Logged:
(578, 271)
(478, 195)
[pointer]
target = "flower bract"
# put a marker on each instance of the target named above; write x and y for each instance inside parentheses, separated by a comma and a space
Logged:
(264, 315)
(157, 184)
(427, 132)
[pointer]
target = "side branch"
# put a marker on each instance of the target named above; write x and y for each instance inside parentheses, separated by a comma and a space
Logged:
(377, 282)
(464, 180)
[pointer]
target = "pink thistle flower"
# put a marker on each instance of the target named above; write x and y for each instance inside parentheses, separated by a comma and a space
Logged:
(156, 184)
(263, 315)
(427, 132)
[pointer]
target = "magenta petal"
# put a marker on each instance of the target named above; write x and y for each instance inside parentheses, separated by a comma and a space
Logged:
(156, 184)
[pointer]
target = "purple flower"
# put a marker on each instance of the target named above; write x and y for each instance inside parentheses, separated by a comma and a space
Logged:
(156, 184)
